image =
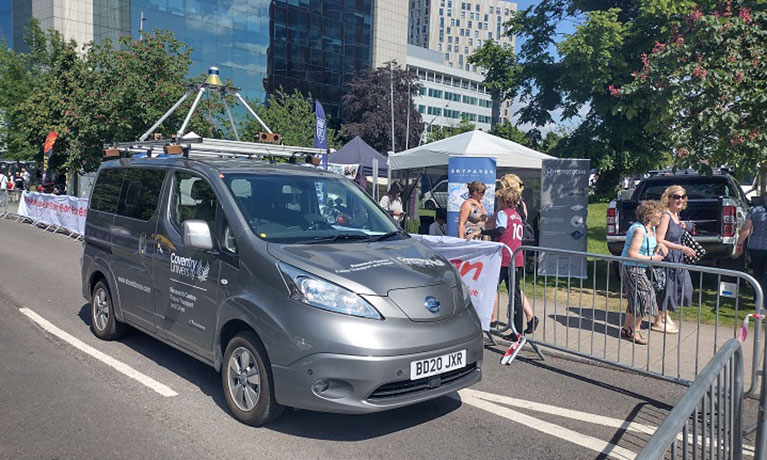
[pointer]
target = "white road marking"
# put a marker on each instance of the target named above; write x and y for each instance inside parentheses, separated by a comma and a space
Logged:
(472, 396)
(562, 412)
(108, 360)
(589, 442)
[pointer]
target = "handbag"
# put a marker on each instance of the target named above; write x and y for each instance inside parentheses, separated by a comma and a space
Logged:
(656, 275)
(689, 241)
(528, 234)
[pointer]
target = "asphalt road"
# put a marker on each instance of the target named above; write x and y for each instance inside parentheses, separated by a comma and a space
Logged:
(57, 402)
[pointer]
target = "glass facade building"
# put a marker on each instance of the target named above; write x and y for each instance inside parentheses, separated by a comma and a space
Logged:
(311, 45)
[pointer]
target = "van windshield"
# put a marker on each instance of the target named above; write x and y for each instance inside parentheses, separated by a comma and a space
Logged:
(305, 209)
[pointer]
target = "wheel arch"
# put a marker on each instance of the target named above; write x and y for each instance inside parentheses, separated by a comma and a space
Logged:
(100, 272)
(227, 332)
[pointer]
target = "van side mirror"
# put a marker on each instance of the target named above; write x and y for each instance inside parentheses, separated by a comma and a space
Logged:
(197, 235)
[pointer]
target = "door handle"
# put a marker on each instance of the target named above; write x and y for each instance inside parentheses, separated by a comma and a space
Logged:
(142, 244)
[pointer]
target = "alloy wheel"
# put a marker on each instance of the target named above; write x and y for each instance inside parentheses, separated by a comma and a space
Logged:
(244, 379)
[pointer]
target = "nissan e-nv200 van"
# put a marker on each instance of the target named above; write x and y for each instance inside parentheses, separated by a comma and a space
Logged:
(289, 280)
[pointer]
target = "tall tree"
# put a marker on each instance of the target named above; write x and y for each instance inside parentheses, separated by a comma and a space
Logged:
(572, 74)
(705, 86)
(94, 95)
(367, 107)
(291, 115)
(508, 131)
(442, 132)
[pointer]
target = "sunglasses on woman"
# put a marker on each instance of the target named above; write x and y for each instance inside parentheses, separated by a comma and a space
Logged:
(679, 197)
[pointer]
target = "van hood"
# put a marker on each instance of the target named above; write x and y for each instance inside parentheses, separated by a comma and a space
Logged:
(371, 268)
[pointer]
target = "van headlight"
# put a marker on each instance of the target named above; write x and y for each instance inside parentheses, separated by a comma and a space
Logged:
(465, 294)
(317, 292)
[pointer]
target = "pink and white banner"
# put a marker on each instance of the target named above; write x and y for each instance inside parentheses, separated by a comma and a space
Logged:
(58, 210)
(478, 263)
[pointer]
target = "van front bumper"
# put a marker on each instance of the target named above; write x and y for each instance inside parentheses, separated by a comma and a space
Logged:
(349, 384)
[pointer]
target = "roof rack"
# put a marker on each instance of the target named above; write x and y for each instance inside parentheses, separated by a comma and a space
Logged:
(201, 147)
(192, 145)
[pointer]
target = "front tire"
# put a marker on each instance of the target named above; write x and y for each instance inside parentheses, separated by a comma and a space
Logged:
(246, 377)
(104, 324)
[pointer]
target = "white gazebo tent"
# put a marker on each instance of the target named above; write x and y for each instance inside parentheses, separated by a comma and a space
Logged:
(432, 160)
(475, 143)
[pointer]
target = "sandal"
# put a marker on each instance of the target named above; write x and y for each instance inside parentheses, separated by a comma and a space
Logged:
(665, 328)
(635, 337)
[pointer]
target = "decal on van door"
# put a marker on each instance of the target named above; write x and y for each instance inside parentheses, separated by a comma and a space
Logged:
(189, 267)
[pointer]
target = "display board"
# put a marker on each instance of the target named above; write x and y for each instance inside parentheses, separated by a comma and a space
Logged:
(461, 171)
(563, 216)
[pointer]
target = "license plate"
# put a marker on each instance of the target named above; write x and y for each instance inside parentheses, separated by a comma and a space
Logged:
(437, 365)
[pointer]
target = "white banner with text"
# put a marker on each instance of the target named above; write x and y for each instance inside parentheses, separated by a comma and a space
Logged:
(478, 263)
(58, 210)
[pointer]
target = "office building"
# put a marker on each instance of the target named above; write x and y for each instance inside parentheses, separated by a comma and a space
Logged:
(447, 94)
(457, 29)
(312, 45)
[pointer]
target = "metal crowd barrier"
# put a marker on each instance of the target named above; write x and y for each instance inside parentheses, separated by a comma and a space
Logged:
(706, 422)
(16, 196)
(4, 197)
(583, 316)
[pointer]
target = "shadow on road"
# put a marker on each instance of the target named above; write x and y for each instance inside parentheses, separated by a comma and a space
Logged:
(339, 427)
(304, 423)
(196, 372)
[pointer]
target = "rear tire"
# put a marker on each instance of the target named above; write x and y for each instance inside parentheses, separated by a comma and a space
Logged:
(429, 204)
(104, 324)
(246, 378)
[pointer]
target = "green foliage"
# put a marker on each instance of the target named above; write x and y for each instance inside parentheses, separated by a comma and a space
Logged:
(502, 77)
(510, 132)
(705, 87)
(443, 132)
(94, 95)
(573, 74)
(550, 142)
(291, 115)
(367, 108)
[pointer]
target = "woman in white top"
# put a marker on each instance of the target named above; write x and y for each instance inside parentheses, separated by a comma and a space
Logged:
(392, 202)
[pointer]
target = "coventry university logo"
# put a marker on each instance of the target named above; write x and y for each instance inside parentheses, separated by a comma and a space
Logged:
(189, 267)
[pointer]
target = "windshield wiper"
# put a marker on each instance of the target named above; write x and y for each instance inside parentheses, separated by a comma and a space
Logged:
(386, 235)
(334, 238)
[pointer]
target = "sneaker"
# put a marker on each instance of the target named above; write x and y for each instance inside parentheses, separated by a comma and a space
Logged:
(532, 325)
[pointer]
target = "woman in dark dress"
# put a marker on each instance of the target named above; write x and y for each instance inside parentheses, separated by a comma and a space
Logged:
(678, 283)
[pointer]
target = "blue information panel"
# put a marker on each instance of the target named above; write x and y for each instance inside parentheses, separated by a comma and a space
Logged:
(462, 171)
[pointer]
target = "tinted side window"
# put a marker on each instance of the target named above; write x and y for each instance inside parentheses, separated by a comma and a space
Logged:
(140, 193)
(192, 198)
(107, 190)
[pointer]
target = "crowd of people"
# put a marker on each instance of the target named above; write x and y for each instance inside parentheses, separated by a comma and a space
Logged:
(15, 182)
(657, 235)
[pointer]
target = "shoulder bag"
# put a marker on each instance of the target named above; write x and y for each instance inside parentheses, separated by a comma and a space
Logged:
(656, 275)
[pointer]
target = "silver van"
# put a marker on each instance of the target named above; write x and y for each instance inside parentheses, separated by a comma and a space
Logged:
(289, 280)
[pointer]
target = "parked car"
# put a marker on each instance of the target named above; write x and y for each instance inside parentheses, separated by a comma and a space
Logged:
(235, 263)
(716, 208)
(436, 198)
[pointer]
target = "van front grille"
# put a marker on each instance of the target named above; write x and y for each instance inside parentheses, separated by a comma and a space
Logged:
(410, 387)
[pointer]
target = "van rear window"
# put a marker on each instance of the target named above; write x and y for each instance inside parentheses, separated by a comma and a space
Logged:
(140, 193)
(106, 190)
